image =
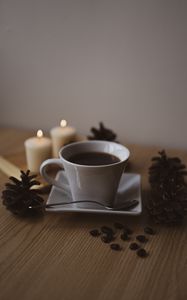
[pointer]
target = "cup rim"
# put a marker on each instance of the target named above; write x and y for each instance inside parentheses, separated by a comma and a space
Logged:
(94, 166)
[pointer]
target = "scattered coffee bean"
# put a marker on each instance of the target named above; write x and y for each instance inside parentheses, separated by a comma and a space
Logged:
(108, 235)
(141, 238)
(106, 229)
(107, 238)
(118, 226)
(134, 246)
(116, 247)
(124, 236)
(95, 232)
(142, 253)
(149, 230)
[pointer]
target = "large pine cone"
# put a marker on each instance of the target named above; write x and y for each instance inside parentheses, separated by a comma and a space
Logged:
(168, 201)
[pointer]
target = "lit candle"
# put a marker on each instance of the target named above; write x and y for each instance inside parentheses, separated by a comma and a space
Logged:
(61, 135)
(37, 150)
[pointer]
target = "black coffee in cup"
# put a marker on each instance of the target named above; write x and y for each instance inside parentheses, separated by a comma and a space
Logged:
(93, 158)
(93, 170)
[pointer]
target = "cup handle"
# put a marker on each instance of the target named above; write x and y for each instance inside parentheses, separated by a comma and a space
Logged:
(49, 179)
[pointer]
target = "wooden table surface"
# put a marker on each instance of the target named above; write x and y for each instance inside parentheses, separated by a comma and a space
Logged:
(54, 256)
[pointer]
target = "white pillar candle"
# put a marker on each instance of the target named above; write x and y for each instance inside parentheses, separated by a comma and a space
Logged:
(61, 135)
(37, 149)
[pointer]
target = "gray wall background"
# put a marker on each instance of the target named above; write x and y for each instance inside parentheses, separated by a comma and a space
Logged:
(120, 61)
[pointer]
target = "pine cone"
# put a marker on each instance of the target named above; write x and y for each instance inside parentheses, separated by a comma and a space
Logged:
(168, 202)
(102, 133)
(19, 198)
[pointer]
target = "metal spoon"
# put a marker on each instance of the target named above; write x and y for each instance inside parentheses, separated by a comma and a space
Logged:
(126, 206)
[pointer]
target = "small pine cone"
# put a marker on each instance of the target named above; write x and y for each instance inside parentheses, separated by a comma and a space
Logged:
(102, 133)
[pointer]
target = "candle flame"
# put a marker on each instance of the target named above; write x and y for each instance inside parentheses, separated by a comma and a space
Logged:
(63, 123)
(39, 133)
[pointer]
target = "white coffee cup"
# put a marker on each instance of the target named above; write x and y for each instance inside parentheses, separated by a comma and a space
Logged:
(88, 182)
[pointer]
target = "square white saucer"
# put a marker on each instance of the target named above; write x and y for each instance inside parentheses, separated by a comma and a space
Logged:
(129, 188)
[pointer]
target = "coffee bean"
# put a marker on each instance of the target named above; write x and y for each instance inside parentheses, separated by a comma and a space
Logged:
(134, 246)
(118, 226)
(115, 247)
(142, 253)
(107, 238)
(141, 238)
(94, 232)
(128, 230)
(124, 236)
(149, 230)
(106, 229)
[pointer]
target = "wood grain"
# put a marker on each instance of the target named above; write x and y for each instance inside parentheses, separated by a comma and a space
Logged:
(54, 257)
